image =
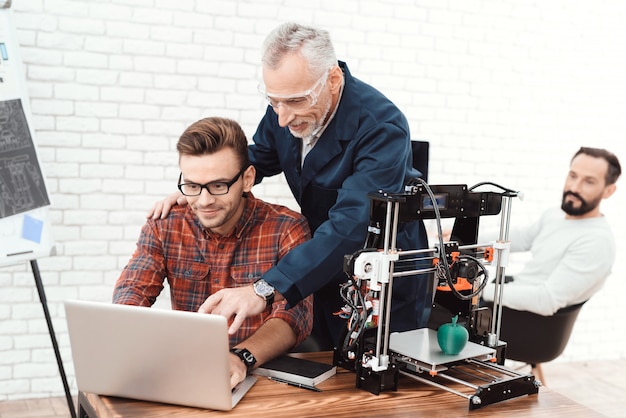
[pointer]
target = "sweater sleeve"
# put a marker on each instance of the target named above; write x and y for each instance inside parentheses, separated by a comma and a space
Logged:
(581, 271)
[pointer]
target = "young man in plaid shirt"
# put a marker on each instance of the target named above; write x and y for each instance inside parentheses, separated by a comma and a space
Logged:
(223, 238)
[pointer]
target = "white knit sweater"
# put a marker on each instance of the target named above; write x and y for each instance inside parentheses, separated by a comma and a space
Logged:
(571, 259)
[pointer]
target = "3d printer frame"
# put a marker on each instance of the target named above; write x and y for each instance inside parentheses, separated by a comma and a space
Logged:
(378, 356)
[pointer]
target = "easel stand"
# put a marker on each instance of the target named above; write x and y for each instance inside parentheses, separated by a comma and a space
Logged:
(42, 297)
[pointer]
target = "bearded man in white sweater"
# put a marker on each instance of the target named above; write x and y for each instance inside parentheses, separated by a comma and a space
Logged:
(572, 248)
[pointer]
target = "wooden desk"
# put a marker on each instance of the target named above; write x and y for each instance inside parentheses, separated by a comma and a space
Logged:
(340, 398)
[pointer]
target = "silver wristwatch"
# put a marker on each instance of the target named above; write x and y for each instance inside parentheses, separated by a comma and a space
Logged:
(264, 290)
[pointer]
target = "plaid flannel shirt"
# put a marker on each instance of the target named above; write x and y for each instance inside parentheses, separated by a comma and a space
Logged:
(198, 263)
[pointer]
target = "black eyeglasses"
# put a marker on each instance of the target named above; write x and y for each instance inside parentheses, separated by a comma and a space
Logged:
(216, 188)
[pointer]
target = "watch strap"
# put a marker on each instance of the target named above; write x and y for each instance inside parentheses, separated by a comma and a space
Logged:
(245, 355)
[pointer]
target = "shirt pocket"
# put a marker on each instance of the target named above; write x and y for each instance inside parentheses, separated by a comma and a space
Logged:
(189, 270)
(247, 274)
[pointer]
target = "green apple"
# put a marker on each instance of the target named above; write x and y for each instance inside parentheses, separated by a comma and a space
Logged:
(452, 337)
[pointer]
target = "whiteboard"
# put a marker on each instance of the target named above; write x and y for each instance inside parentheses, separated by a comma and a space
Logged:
(24, 202)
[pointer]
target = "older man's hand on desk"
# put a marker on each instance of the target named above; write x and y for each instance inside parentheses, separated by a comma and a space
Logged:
(237, 303)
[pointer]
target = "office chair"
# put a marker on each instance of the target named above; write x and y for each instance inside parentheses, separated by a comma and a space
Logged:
(421, 154)
(534, 339)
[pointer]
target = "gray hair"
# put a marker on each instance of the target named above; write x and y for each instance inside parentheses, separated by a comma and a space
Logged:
(314, 45)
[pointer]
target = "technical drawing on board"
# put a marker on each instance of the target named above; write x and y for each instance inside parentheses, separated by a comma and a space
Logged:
(24, 225)
(22, 186)
(25, 230)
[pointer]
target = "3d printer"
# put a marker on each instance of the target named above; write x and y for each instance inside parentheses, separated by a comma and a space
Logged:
(457, 270)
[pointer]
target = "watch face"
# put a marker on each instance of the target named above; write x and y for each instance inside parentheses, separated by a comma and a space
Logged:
(248, 357)
(262, 288)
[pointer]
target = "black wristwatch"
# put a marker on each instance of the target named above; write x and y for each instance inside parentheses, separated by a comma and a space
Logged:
(246, 356)
(264, 290)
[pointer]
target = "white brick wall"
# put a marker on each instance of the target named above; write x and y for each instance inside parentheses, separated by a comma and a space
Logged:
(505, 90)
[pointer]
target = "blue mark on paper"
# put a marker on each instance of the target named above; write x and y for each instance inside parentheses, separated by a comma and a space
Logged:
(3, 52)
(31, 229)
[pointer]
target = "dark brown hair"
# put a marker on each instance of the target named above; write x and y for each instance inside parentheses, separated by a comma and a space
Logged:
(614, 171)
(210, 135)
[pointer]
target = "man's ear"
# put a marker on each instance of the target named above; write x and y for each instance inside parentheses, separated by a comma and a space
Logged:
(609, 190)
(248, 178)
(335, 77)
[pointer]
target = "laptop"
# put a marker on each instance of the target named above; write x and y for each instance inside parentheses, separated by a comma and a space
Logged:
(152, 354)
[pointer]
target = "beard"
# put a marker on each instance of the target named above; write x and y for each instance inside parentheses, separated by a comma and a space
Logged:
(585, 206)
(315, 126)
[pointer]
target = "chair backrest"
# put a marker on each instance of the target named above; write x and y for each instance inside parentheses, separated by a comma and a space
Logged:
(533, 338)
(420, 151)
